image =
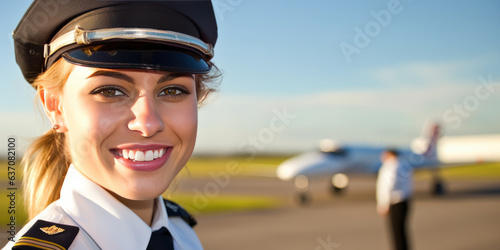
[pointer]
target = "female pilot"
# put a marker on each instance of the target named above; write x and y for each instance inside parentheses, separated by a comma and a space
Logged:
(121, 82)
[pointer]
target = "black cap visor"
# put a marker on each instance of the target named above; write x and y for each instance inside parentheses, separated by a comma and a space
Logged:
(138, 56)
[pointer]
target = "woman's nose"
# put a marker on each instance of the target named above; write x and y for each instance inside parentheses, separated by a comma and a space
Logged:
(147, 119)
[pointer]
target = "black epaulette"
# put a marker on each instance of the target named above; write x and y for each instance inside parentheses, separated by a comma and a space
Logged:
(47, 235)
(174, 209)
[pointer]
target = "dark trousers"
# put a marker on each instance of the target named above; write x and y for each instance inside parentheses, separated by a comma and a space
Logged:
(397, 220)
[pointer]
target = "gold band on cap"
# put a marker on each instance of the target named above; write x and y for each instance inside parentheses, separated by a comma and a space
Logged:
(81, 36)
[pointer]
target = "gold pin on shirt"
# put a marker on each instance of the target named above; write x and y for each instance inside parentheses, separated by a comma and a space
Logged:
(52, 230)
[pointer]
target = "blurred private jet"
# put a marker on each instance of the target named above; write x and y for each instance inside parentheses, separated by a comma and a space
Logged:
(426, 152)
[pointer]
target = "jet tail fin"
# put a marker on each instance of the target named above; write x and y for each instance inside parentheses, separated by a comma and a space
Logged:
(432, 136)
(426, 144)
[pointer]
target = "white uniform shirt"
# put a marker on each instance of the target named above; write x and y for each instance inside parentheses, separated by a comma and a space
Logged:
(104, 222)
(394, 182)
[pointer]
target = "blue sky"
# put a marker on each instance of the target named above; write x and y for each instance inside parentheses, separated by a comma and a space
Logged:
(287, 83)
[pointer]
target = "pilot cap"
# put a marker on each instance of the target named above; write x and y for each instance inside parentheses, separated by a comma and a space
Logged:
(164, 35)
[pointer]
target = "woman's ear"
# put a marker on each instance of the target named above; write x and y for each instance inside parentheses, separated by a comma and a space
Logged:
(53, 108)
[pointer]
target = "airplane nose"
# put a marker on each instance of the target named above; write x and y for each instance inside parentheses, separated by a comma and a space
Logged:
(309, 164)
(299, 165)
(286, 171)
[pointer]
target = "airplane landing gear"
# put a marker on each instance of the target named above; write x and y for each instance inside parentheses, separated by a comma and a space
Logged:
(337, 191)
(303, 198)
(302, 186)
(338, 186)
(438, 187)
(339, 183)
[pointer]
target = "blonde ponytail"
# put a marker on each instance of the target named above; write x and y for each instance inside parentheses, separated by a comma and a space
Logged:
(44, 171)
(46, 161)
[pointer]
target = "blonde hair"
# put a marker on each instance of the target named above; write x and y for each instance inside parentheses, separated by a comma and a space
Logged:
(47, 159)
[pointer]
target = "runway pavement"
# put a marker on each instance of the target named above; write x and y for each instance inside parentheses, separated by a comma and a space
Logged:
(468, 217)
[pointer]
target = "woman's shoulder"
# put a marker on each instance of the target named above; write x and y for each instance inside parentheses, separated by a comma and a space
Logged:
(182, 224)
(51, 229)
(175, 210)
(45, 235)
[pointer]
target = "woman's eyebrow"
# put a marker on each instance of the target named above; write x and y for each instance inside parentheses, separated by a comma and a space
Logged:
(171, 76)
(113, 74)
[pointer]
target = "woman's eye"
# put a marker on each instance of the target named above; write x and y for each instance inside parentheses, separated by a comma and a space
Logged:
(173, 91)
(108, 92)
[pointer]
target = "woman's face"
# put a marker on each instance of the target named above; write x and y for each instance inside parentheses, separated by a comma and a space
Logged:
(129, 131)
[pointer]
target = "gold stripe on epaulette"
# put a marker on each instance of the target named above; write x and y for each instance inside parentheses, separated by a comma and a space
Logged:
(34, 245)
(34, 242)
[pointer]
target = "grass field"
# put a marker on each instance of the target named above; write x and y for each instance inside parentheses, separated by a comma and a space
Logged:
(466, 172)
(222, 203)
(203, 166)
(5, 206)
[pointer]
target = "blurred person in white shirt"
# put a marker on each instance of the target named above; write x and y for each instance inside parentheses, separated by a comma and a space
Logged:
(394, 191)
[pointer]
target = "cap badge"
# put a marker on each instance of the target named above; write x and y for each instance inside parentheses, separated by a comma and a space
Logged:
(52, 230)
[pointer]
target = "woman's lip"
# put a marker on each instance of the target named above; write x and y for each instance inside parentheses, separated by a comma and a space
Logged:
(142, 147)
(144, 165)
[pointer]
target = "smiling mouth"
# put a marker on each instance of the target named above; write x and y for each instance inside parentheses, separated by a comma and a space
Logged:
(140, 155)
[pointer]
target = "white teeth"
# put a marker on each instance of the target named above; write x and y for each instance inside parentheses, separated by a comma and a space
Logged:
(148, 156)
(139, 156)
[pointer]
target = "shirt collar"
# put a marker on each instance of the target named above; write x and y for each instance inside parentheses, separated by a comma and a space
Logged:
(160, 218)
(106, 220)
